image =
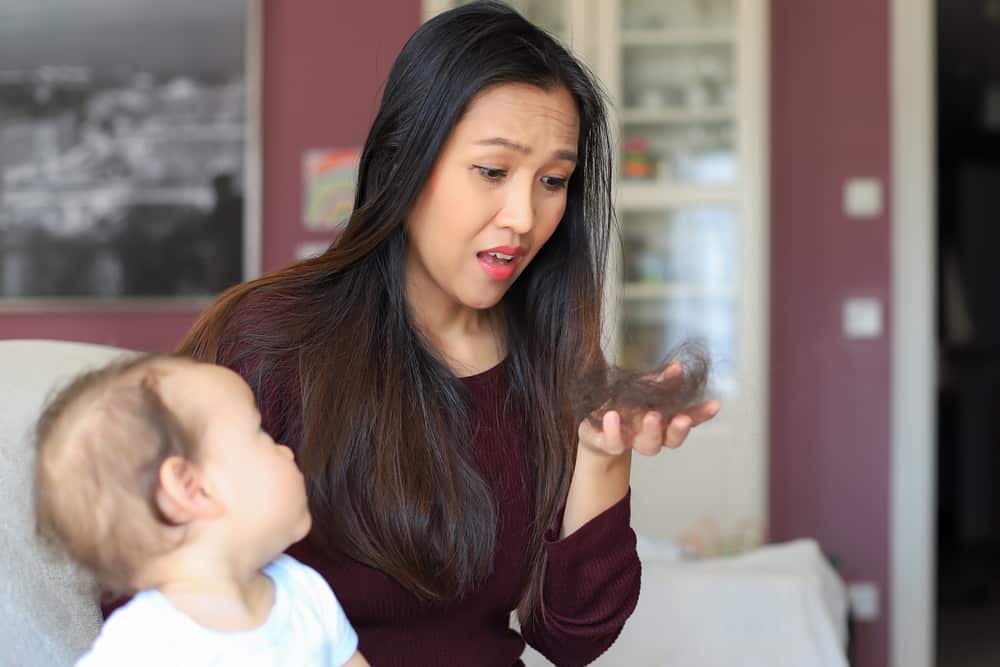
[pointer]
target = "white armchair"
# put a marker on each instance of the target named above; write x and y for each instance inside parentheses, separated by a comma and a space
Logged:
(49, 612)
(779, 606)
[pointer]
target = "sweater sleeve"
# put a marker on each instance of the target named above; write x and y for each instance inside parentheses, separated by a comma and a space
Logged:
(591, 586)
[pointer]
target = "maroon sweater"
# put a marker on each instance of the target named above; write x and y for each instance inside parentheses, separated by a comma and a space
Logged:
(591, 580)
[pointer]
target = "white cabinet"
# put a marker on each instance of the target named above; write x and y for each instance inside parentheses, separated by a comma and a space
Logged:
(688, 84)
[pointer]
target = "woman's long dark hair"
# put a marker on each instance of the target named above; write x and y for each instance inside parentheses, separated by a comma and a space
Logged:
(380, 423)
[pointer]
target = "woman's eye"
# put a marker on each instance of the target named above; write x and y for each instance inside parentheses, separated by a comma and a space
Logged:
(490, 173)
(552, 183)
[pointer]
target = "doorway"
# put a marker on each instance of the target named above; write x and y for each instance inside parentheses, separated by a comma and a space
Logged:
(968, 332)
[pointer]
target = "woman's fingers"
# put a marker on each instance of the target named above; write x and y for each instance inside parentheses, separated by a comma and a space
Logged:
(649, 434)
(674, 369)
(677, 431)
(608, 438)
(612, 432)
(702, 413)
(648, 437)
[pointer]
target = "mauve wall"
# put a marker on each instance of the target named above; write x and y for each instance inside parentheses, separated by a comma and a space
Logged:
(830, 396)
(324, 64)
(324, 69)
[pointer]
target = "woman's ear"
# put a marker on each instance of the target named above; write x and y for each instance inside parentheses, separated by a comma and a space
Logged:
(182, 496)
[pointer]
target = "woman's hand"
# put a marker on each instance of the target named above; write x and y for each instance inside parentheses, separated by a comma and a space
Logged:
(651, 434)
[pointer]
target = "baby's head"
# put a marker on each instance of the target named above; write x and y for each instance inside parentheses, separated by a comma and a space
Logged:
(146, 457)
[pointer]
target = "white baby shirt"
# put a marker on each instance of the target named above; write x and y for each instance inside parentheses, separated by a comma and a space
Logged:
(306, 627)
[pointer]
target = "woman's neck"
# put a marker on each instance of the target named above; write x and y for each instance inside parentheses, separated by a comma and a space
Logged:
(467, 339)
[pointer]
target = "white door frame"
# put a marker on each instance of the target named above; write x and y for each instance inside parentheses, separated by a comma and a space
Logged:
(914, 407)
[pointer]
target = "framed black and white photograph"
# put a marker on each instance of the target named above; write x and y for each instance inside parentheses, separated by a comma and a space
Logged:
(129, 149)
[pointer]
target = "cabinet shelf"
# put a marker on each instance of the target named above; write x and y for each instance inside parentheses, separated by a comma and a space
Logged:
(643, 291)
(678, 36)
(665, 116)
(651, 195)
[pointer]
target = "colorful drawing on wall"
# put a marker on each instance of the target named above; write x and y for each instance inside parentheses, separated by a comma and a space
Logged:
(122, 154)
(310, 249)
(331, 176)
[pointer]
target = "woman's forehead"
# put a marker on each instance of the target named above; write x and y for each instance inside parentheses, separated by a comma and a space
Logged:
(512, 110)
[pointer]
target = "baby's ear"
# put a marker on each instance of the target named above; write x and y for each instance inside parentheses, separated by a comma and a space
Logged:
(181, 496)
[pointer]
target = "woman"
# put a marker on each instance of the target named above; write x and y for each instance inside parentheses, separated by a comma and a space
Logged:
(424, 367)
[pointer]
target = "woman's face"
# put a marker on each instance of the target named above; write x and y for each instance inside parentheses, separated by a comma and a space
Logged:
(494, 197)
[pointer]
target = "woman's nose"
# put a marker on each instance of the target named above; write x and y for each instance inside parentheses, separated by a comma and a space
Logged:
(518, 210)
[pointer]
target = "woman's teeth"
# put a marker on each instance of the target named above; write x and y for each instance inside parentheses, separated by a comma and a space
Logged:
(498, 257)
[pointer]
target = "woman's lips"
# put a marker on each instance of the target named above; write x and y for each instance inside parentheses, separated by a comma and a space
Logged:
(497, 265)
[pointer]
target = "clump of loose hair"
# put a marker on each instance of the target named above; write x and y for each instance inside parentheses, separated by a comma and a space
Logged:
(100, 442)
(633, 393)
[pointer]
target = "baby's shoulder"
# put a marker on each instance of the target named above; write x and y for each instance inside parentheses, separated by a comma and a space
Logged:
(147, 626)
(307, 593)
(292, 575)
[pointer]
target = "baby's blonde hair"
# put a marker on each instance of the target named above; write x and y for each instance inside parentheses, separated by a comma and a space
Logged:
(100, 443)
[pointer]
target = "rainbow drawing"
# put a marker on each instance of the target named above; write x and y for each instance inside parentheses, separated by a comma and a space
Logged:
(330, 177)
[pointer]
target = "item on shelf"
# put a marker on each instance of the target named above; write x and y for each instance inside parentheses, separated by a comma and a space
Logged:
(708, 539)
(650, 268)
(680, 14)
(634, 18)
(715, 13)
(682, 77)
(698, 95)
(632, 249)
(727, 93)
(653, 99)
(707, 167)
(638, 161)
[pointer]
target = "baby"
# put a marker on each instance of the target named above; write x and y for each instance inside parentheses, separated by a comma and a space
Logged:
(155, 474)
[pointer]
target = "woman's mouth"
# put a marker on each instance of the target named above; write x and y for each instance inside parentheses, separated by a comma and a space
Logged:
(496, 257)
(497, 265)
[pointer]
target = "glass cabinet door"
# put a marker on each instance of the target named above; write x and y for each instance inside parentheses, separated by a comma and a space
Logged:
(679, 205)
(680, 270)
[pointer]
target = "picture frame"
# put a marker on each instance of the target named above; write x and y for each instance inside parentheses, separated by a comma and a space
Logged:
(129, 152)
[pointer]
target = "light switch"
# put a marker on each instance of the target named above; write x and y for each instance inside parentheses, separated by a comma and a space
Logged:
(864, 600)
(863, 198)
(862, 318)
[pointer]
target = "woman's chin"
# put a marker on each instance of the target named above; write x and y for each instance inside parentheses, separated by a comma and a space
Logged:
(485, 297)
(484, 303)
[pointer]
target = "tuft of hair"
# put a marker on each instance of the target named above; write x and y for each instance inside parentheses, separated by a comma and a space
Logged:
(633, 393)
(99, 445)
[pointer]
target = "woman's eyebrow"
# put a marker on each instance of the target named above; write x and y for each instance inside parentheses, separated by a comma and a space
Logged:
(569, 156)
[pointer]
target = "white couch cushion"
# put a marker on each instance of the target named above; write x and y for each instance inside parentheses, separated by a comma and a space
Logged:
(48, 611)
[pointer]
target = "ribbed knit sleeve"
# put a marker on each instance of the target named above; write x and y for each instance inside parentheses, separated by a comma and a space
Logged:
(591, 587)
